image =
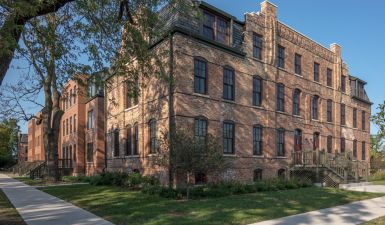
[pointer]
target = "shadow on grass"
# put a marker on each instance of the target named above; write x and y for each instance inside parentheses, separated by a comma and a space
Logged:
(122, 206)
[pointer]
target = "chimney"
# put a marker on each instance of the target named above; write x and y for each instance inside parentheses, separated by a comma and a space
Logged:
(269, 9)
(336, 49)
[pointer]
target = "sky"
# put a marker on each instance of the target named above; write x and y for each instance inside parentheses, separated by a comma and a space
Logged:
(355, 25)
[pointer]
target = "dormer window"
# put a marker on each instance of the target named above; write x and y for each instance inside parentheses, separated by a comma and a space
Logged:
(215, 28)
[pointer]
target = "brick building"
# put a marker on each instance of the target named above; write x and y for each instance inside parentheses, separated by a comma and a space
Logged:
(22, 147)
(263, 87)
(81, 145)
(36, 150)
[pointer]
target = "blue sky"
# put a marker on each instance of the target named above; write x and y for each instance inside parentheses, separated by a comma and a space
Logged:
(355, 25)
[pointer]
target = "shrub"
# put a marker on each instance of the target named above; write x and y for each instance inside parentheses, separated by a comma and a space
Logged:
(134, 179)
(74, 179)
(377, 176)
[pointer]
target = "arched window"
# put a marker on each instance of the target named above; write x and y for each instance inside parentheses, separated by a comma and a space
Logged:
(281, 173)
(297, 140)
(314, 107)
(257, 175)
(257, 91)
(329, 144)
(116, 143)
(228, 137)
(200, 76)
(296, 102)
(329, 110)
(280, 142)
(200, 128)
(355, 149)
(228, 83)
(280, 97)
(342, 145)
(128, 140)
(257, 140)
(316, 141)
(136, 140)
(152, 136)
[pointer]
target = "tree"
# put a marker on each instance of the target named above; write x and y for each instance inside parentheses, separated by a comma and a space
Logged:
(379, 119)
(8, 142)
(191, 155)
(14, 15)
(54, 43)
(376, 145)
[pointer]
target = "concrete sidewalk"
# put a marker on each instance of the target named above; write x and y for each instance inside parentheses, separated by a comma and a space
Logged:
(39, 208)
(353, 213)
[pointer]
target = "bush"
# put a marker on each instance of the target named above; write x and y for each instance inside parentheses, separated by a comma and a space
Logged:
(377, 176)
(74, 179)
(225, 189)
(134, 179)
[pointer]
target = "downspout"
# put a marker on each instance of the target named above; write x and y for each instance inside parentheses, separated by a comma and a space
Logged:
(171, 113)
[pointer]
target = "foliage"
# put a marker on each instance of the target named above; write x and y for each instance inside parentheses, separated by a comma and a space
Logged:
(377, 176)
(8, 142)
(225, 189)
(75, 179)
(190, 155)
(124, 206)
(132, 180)
(376, 146)
(379, 119)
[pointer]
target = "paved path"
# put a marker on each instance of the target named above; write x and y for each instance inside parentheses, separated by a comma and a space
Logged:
(39, 208)
(353, 213)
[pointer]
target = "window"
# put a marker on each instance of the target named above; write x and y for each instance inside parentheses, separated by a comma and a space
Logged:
(90, 152)
(66, 126)
(363, 120)
(355, 149)
(329, 144)
(201, 129)
(363, 156)
(75, 153)
(296, 102)
(281, 173)
(316, 72)
(128, 141)
(297, 64)
(228, 138)
(281, 57)
(200, 75)
(152, 135)
(228, 83)
(297, 140)
(280, 97)
(280, 142)
(74, 123)
(200, 178)
(222, 31)
(329, 77)
(314, 108)
(342, 114)
(70, 97)
(209, 25)
(316, 141)
(329, 110)
(257, 46)
(90, 120)
(132, 92)
(257, 140)
(343, 84)
(136, 140)
(257, 91)
(354, 117)
(71, 125)
(215, 28)
(75, 95)
(342, 145)
(257, 175)
(116, 143)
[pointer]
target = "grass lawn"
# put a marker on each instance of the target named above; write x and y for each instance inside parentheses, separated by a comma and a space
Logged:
(379, 182)
(122, 206)
(8, 214)
(379, 221)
